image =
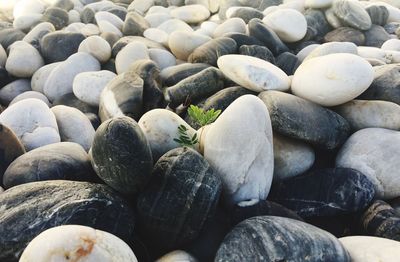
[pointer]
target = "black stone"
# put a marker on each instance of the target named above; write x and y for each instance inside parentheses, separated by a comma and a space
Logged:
(29, 209)
(59, 161)
(182, 195)
(379, 14)
(288, 62)
(301, 119)
(195, 87)
(339, 225)
(58, 46)
(110, 37)
(317, 25)
(209, 52)
(258, 51)
(242, 39)
(247, 14)
(376, 36)
(87, 16)
(121, 155)
(271, 238)
(10, 35)
(324, 192)
(71, 100)
(5, 77)
(57, 16)
(134, 24)
(268, 37)
(345, 34)
(174, 74)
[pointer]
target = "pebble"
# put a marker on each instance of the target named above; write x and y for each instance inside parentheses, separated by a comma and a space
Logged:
(40, 77)
(376, 36)
(130, 53)
(107, 27)
(24, 23)
(57, 16)
(172, 25)
(157, 19)
(257, 51)
(191, 14)
(182, 49)
(134, 24)
(37, 33)
(30, 94)
(391, 44)
(379, 14)
(9, 35)
(109, 17)
(13, 89)
(318, 3)
(352, 13)
(97, 46)
(231, 25)
(11, 147)
(346, 34)
(210, 51)
(333, 48)
(157, 35)
(23, 60)
(58, 46)
(172, 75)
(3, 56)
(177, 255)
(245, 13)
(287, 62)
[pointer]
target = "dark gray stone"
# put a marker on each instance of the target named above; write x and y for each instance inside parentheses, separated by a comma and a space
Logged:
(271, 238)
(29, 209)
(352, 14)
(58, 46)
(258, 51)
(301, 119)
(379, 14)
(57, 16)
(288, 62)
(209, 52)
(134, 24)
(376, 36)
(110, 66)
(317, 25)
(181, 196)
(72, 101)
(242, 39)
(119, 11)
(247, 13)
(121, 155)
(10, 35)
(345, 34)
(174, 74)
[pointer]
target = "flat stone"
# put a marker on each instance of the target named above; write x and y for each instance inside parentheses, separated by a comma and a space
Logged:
(107, 27)
(244, 39)
(97, 46)
(71, 100)
(352, 13)
(210, 51)
(346, 34)
(156, 19)
(290, 25)
(23, 59)
(30, 94)
(182, 49)
(13, 89)
(191, 14)
(317, 25)
(124, 41)
(58, 46)
(110, 18)
(156, 35)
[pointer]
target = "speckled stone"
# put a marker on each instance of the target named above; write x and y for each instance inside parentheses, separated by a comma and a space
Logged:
(345, 34)
(181, 196)
(52, 203)
(174, 74)
(298, 241)
(210, 51)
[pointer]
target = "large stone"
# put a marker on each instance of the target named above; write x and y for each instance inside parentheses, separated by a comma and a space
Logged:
(13, 89)
(97, 46)
(352, 13)
(30, 94)
(40, 77)
(345, 34)
(231, 25)
(289, 24)
(57, 16)
(210, 51)
(131, 53)
(182, 49)
(23, 59)
(134, 24)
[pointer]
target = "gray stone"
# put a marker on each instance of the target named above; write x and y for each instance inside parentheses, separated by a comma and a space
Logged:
(376, 36)
(57, 16)
(210, 51)
(13, 89)
(23, 60)
(352, 13)
(134, 24)
(30, 94)
(345, 34)
(379, 14)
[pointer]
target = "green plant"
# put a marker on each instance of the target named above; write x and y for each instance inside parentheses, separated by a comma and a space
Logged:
(184, 139)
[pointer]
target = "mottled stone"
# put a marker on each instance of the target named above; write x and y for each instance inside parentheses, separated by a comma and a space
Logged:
(10, 35)
(352, 13)
(174, 74)
(245, 13)
(58, 46)
(376, 36)
(134, 24)
(298, 241)
(177, 255)
(210, 51)
(57, 16)
(345, 34)
(379, 14)
(258, 51)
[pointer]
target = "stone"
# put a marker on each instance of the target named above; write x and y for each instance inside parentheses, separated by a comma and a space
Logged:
(253, 73)
(375, 54)
(124, 41)
(231, 25)
(35, 125)
(333, 48)
(325, 192)
(121, 155)
(107, 27)
(157, 35)
(318, 3)
(134, 24)
(370, 113)
(291, 157)
(23, 59)
(182, 49)
(257, 51)
(208, 27)
(298, 241)
(290, 25)
(369, 249)
(71, 100)
(191, 14)
(391, 27)
(345, 34)
(352, 13)
(87, 15)
(58, 46)
(110, 18)
(140, 6)
(13, 89)
(379, 14)
(97, 46)
(74, 17)
(373, 152)
(243, 39)
(30, 94)
(245, 13)
(210, 51)
(87, 86)
(24, 23)
(172, 75)
(333, 79)
(58, 161)
(74, 240)
(391, 44)
(162, 58)
(48, 204)
(64, 4)
(41, 75)
(74, 126)
(182, 194)
(304, 120)
(61, 78)
(3, 56)
(57, 16)
(177, 255)
(36, 34)
(28, 7)
(376, 36)
(129, 54)
(244, 176)
(317, 25)
(156, 19)
(172, 25)
(10, 35)
(287, 62)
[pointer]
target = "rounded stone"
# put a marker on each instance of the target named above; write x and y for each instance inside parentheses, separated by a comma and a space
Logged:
(110, 18)
(157, 35)
(231, 25)
(391, 44)
(258, 51)
(172, 25)
(134, 24)
(3, 56)
(40, 77)
(290, 25)
(210, 51)
(182, 49)
(352, 13)
(23, 60)
(345, 34)
(58, 46)
(129, 54)
(333, 48)
(376, 36)
(177, 255)
(172, 75)
(24, 23)
(97, 46)
(30, 94)
(121, 155)
(162, 58)
(318, 3)
(379, 14)
(11, 147)
(57, 16)
(191, 14)
(37, 33)
(13, 89)
(245, 13)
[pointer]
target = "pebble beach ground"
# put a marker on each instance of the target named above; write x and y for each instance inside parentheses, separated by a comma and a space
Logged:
(199, 130)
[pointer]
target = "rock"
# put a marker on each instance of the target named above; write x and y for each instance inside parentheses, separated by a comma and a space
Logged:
(61, 78)
(57, 16)
(332, 79)
(162, 58)
(72, 101)
(121, 155)
(333, 48)
(58, 161)
(10, 35)
(378, 162)
(200, 85)
(245, 13)
(245, 176)
(87, 15)
(24, 23)
(345, 34)
(87, 86)
(181, 196)
(370, 113)
(253, 73)
(379, 14)
(287, 62)
(58, 46)
(182, 49)
(289, 24)
(231, 25)
(156, 35)
(325, 192)
(391, 44)
(301, 119)
(134, 24)
(97, 47)
(30, 94)
(177, 255)
(251, 240)
(41, 75)
(53, 203)
(13, 89)
(172, 75)
(35, 125)
(369, 249)
(110, 18)
(318, 3)
(36, 34)
(317, 25)
(257, 51)
(376, 36)
(129, 54)
(377, 55)
(156, 19)
(74, 240)
(210, 51)
(352, 13)
(391, 27)
(122, 42)
(172, 25)
(64, 4)
(243, 39)
(23, 59)
(140, 6)
(3, 56)
(191, 14)
(74, 126)
(107, 27)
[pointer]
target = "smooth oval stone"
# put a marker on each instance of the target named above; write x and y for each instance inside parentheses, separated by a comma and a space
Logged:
(121, 155)
(374, 54)
(192, 14)
(60, 80)
(244, 176)
(140, 6)
(162, 58)
(10, 35)
(325, 192)
(64, 4)
(370, 113)
(200, 85)
(122, 42)
(172, 75)
(35, 125)
(87, 86)
(40, 77)
(391, 44)
(109, 17)
(129, 54)
(379, 14)
(182, 49)
(23, 60)
(157, 35)
(98, 47)
(333, 48)
(87, 15)
(287, 62)
(243, 39)
(48, 204)
(30, 94)
(58, 46)
(313, 124)
(74, 126)
(332, 79)
(28, 6)
(290, 25)
(57, 16)
(107, 27)
(210, 51)
(24, 23)
(376, 36)
(317, 25)
(13, 89)
(371, 249)
(177, 255)
(157, 19)
(3, 56)
(391, 27)
(75, 242)
(181, 196)
(173, 25)
(11, 148)
(318, 3)
(352, 13)
(245, 13)
(134, 24)
(231, 25)
(257, 51)
(345, 34)
(37, 33)
(268, 37)
(58, 161)
(373, 152)
(253, 73)
(298, 241)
